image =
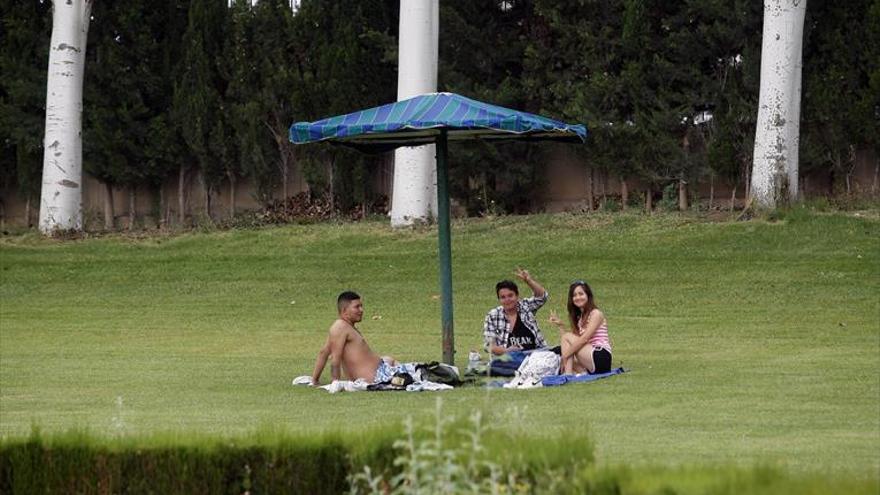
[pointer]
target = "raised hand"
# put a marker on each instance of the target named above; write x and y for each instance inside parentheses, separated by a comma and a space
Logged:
(522, 274)
(554, 319)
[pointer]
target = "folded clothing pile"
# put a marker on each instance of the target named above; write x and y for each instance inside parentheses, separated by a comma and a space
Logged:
(411, 377)
(534, 368)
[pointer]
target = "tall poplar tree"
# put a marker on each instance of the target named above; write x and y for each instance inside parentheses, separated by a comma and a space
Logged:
(775, 170)
(61, 192)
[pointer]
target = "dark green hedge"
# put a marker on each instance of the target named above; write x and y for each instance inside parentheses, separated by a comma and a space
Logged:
(321, 464)
(314, 467)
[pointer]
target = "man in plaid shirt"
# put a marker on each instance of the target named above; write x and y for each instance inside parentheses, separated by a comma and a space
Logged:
(512, 326)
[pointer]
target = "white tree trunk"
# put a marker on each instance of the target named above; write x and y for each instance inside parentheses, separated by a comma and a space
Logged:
(775, 166)
(61, 194)
(414, 195)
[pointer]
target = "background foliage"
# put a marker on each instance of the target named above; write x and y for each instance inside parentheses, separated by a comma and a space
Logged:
(668, 89)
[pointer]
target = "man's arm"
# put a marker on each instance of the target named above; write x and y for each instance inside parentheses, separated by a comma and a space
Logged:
(338, 338)
(490, 336)
(320, 362)
(498, 350)
(332, 349)
(537, 289)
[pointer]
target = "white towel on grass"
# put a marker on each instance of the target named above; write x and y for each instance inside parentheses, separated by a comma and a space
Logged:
(302, 380)
(426, 386)
(360, 385)
(335, 386)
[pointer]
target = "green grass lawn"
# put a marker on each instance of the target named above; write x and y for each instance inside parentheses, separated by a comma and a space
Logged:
(748, 342)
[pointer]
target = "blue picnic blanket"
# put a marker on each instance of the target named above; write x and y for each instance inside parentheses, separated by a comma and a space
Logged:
(556, 380)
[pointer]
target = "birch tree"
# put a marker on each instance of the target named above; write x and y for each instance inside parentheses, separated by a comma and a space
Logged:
(775, 160)
(61, 194)
(415, 174)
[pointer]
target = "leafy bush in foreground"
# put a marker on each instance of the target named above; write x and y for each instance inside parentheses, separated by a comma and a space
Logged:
(450, 456)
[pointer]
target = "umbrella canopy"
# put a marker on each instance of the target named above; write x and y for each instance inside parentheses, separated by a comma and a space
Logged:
(419, 120)
(435, 118)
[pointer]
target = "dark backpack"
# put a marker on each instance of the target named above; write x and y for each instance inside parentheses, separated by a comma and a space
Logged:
(440, 373)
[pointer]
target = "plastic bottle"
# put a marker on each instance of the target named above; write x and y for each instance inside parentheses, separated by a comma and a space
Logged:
(474, 359)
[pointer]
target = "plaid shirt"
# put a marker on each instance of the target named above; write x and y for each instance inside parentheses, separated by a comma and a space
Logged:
(497, 330)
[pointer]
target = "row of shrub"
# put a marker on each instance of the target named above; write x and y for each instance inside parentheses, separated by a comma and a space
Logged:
(449, 457)
(84, 466)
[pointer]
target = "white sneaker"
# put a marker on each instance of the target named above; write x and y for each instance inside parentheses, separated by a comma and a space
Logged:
(532, 382)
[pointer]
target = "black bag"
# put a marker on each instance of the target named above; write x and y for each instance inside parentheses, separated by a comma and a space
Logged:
(397, 382)
(439, 373)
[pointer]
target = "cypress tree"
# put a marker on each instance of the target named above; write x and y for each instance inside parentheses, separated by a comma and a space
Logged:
(482, 48)
(244, 153)
(840, 105)
(343, 59)
(25, 28)
(116, 116)
(128, 142)
(197, 91)
(272, 46)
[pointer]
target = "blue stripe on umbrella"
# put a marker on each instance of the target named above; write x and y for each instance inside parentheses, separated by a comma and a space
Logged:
(482, 117)
(436, 110)
(382, 114)
(421, 108)
(351, 118)
(459, 112)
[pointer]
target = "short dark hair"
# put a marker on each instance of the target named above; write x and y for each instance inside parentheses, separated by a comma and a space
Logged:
(345, 299)
(506, 284)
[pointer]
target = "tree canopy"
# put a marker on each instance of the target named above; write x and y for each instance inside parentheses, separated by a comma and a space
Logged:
(667, 89)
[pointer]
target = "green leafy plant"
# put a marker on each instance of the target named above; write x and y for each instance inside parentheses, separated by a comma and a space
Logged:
(452, 459)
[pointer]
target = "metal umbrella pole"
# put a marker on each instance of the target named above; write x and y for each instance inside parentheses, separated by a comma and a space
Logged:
(445, 250)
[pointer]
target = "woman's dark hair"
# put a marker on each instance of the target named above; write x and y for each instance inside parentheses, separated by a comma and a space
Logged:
(506, 284)
(574, 312)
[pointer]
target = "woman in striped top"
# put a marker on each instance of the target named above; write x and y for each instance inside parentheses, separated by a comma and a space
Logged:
(586, 347)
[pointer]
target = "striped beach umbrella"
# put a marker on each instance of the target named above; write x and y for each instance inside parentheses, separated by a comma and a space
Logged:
(435, 118)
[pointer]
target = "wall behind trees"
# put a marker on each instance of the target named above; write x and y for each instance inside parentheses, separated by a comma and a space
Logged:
(187, 105)
(566, 185)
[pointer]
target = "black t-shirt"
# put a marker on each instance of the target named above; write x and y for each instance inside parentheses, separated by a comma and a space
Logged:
(522, 337)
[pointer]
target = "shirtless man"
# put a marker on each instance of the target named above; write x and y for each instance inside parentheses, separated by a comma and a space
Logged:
(346, 346)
